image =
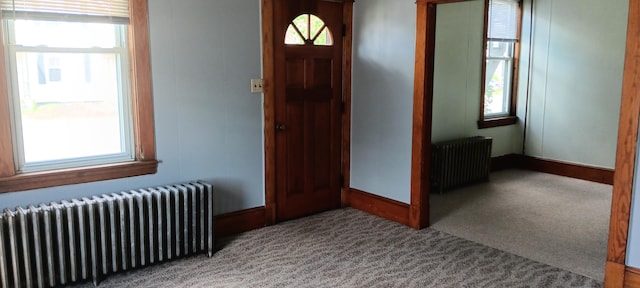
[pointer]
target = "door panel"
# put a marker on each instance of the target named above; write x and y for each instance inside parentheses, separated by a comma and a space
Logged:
(308, 85)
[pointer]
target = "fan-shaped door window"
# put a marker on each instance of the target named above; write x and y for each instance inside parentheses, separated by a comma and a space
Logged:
(308, 29)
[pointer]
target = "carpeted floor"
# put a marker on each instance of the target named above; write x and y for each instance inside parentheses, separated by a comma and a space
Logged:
(349, 248)
(556, 220)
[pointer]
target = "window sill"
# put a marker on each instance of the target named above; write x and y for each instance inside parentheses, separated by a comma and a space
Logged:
(497, 122)
(46, 179)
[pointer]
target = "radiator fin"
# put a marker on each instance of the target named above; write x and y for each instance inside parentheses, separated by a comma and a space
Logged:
(55, 244)
(460, 162)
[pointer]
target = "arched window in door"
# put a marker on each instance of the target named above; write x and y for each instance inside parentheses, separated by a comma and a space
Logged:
(308, 29)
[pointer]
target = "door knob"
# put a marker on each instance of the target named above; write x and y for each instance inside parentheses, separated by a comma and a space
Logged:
(281, 127)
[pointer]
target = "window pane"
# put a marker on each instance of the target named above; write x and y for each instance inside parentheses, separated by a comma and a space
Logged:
(497, 87)
(311, 28)
(324, 38)
(292, 36)
(503, 17)
(500, 49)
(62, 8)
(302, 23)
(67, 116)
(56, 34)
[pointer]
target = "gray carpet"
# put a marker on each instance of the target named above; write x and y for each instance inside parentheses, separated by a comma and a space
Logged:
(555, 220)
(349, 248)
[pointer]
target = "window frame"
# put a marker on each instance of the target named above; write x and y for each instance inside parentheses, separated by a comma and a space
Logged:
(120, 55)
(510, 118)
(145, 161)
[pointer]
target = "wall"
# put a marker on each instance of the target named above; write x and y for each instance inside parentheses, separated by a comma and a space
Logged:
(633, 249)
(458, 78)
(383, 65)
(576, 80)
(208, 125)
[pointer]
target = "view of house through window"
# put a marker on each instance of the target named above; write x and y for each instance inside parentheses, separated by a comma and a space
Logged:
(70, 95)
(502, 36)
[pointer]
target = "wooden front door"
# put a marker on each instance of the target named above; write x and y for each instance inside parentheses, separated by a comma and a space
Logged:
(308, 85)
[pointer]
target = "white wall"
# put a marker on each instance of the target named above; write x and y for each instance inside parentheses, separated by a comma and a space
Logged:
(383, 64)
(458, 78)
(576, 80)
(208, 125)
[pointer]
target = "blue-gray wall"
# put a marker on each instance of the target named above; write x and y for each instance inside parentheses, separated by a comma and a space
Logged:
(383, 64)
(208, 125)
(576, 80)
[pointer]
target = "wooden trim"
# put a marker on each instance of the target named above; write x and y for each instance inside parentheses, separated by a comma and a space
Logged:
(516, 65)
(422, 114)
(504, 162)
(141, 86)
(7, 167)
(238, 222)
(627, 141)
(28, 181)
(632, 277)
(268, 74)
(573, 170)
(380, 206)
(346, 99)
(441, 1)
(614, 275)
(620, 276)
(143, 122)
(497, 122)
(483, 70)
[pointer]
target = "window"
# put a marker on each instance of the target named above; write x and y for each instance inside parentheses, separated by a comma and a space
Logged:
(66, 121)
(500, 63)
(308, 29)
(78, 108)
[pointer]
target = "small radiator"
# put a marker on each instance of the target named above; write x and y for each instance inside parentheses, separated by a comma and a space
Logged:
(89, 238)
(459, 162)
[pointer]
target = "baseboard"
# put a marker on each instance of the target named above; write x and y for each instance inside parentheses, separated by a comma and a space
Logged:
(614, 275)
(573, 170)
(631, 277)
(250, 219)
(504, 162)
(380, 206)
(584, 172)
(240, 221)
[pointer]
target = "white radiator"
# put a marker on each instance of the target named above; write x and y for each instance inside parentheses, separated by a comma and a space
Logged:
(89, 238)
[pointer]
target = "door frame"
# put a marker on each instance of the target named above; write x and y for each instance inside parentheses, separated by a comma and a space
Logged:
(616, 271)
(268, 87)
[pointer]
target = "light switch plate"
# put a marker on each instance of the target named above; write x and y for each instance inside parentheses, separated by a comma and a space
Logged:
(256, 85)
